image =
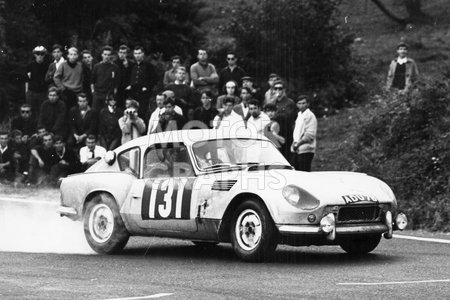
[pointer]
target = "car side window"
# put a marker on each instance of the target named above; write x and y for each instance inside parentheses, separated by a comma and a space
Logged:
(168, 161)
(129, 161)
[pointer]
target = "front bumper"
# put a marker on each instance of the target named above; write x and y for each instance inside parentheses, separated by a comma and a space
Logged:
(65, 211)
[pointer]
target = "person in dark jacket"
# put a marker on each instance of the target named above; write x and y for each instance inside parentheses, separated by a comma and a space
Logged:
(53, 114)
(82, 122)
(36, 87)
(25, 121)
(109, 132)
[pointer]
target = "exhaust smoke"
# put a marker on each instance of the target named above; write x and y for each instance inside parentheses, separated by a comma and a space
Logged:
(31, 224)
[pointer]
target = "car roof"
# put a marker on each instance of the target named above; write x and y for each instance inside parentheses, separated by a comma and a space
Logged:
(188, 137)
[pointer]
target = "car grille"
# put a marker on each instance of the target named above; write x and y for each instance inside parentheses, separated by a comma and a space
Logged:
(358, 214)
(223, 185)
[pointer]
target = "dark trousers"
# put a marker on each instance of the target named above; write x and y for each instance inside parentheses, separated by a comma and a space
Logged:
(35, 99)
(302, 162)
(98, 101)
(70, 98)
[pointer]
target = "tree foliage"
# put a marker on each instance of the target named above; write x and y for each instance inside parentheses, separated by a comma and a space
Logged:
(298, 39)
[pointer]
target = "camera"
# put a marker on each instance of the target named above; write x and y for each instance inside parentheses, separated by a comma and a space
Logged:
(130, 111)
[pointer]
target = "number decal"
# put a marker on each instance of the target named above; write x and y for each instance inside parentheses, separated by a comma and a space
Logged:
(167, 199)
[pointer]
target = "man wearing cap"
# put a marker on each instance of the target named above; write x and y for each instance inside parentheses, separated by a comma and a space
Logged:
(270, 96)
(203, 74)
(232, 72)
(304, 136)
(286, 114)
(249, 82)
(36, 87)
(402, 70)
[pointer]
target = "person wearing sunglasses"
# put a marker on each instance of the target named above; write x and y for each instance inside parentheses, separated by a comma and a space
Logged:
(25, 122)
(36, 87)
(232, 72)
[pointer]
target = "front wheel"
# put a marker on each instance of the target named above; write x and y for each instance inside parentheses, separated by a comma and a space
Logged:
(253, 233)
(360, 245)
(103, 226)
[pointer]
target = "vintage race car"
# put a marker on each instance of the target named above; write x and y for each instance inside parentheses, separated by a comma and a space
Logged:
(211, 187)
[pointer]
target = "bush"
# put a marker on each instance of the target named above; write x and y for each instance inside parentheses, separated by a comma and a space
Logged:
(406, 142)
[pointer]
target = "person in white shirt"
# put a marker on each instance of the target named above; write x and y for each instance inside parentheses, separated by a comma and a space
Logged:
(228, 119)
(160, 109)
(91, 153)
(258, 120)
(304, 136)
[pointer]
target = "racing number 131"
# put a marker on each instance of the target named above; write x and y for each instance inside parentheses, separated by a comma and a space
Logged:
(167, 199)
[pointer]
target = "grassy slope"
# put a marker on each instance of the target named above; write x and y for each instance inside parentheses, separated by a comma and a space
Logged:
(429, 46)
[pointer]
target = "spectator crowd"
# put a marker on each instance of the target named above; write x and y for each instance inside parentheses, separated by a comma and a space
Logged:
(76, 110)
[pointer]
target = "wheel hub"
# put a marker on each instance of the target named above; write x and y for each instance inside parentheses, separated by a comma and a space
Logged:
(249, 229)
(101, 223)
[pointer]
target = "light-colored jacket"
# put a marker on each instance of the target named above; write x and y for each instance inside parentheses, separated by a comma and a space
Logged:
(131, 130)
(305, 132)
(411, 73)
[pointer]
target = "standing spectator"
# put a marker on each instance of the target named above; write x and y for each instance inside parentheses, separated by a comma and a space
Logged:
(105, 79)
(231, 90)
(131, 125)
(158, 112)
(228, 119)
(273, 129)
(91, 153)
(44, 159)
(304, 136)
(67, 161)
(242, 108)
(232, 72)
(170, 75)
(125, 65)
(36, 87)
(6, 158)
(258, 120)
(88, 65)
(82, 122)
(206, 112)
(69, 78)
(249, 82)
(203, 74)
(25, 122)
(182, 91)
(58, 59)
(53, 114)
(270, 95)
(142, 80)
(403, 70)
(286, 114)
(108, 130)
(170, 120)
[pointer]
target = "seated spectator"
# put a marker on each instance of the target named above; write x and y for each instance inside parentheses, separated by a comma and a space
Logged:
(21, 148)
(131, 125)
(273, 129)
(6, 158)
(108, 130)
(242, 108)
(231, 90)
(159, 110)
(53, 114)
(68, 162)
(170, 120)
(91, 153)
(43, 159)
(228, 119)
(206, 112)
(170, 75)
(258, 120)
(25, 121)
(36, 139)
(82, 122)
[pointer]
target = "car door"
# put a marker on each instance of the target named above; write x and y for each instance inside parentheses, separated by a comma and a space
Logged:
(163, 199)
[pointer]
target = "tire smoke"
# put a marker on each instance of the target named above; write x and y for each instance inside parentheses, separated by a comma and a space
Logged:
(32, 225)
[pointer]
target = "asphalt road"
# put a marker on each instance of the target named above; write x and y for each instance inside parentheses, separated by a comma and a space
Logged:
(158, 268)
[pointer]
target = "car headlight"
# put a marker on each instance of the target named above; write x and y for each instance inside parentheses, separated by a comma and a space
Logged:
(299, 198)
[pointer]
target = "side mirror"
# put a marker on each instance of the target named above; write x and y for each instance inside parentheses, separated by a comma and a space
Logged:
(110, 157)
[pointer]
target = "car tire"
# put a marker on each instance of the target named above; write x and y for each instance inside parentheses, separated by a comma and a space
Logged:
(104, 229)
(203, 244)
(360, 245)
(253, 233)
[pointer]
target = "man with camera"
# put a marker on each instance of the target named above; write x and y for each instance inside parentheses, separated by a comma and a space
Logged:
(130, 124)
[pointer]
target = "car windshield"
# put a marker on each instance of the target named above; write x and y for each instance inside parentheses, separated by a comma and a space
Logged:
(236, 152)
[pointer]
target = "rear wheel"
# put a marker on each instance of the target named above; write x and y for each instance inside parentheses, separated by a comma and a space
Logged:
(103, 226)
(253, 233)
(360, 245)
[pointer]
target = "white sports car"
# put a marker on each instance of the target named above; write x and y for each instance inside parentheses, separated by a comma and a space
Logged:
(210, 187)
